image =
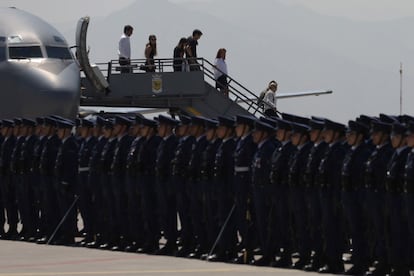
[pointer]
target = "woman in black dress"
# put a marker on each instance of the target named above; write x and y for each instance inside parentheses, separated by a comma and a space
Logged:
(179, 51)
(150, 53)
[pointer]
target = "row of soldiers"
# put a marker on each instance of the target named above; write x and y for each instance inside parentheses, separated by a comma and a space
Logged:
(235, 187)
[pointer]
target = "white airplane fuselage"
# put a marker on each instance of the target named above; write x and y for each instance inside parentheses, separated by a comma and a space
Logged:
(38, 74)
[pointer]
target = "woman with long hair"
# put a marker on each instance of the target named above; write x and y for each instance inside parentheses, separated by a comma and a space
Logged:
(179, 50)
(220, 71)
(150, 53)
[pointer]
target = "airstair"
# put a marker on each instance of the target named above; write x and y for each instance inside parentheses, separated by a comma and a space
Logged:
(190, 92)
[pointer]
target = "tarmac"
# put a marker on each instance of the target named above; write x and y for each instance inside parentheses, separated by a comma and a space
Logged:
(28, 259)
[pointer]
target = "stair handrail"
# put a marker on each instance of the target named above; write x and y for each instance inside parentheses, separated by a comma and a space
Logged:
(237, 90)
(251, 99)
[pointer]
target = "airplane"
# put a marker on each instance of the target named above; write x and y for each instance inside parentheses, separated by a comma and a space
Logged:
(39, 75)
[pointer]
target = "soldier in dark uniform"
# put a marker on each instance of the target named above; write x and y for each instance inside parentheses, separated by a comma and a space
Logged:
(66, 176)
(165, 188)
(277, 230)
(35, 183)
(223, 190)
(352, 183)
(329, 176)
(207, 174)
(47, 164)
(261, 186)
(2, 216)
(22, 160)
(399, 250)
(297, 191)
(134, 211)
(106, 203)
(118, 182)
(194, 191)
(6, 184)
(179, 177)
(409, 187)
(312, 192)
(147, 165)
(243, 158)
(375, 175)
(95, 184)
(87, 142)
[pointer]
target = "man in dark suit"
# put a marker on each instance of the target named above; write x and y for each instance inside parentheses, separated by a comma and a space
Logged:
(329, 176)
(243, 157)
(87, 142)
(297, 193)
(146, 176)
(179, 177)
(66, 172)
(194, 189)
(352, 182)
(398, 227)
(118, 182)
(223, 189)
(261, 183)
(165, 188)
(312, 192)
(25, 191)
(375, 176)
(6, 184)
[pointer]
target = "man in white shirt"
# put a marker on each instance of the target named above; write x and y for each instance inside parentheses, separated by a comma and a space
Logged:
(124, 49)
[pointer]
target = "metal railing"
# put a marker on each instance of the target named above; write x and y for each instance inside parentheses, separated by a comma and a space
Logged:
(238, 93)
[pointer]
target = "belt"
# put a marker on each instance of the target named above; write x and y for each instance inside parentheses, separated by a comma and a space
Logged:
(241, 169)
(84, 169)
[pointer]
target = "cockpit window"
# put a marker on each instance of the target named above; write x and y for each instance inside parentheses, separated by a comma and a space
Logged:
(22, 52)
(58, 52)
(2, 53)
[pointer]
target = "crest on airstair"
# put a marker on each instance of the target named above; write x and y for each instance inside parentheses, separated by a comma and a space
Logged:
(156, 83)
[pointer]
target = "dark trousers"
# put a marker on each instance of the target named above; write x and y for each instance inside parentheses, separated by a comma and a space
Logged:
(167, 209)
(376, 216)
(399, 239)
(50, 207)
(183, 208)
(331, 226)
(314, 216)
(25, 204)
(125, 65)
(198, 218)
(301, 233)
(85, 203)
(354, 213)
(271, 113)
(8, 192)
(409, 214)
(243, 212)
(2, 216)
(149, 210)
(134, 210)
(66, 197)
(261, 199)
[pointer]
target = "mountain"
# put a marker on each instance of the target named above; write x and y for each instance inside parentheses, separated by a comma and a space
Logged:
(268, 40)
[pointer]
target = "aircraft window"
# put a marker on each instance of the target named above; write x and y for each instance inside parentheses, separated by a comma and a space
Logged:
(2, 53)
(58, 39)
(22, 52)
(58, 52)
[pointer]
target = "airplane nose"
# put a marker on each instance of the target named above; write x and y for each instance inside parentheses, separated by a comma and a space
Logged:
(43, 90)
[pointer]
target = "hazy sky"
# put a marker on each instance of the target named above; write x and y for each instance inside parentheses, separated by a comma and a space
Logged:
(62, 11)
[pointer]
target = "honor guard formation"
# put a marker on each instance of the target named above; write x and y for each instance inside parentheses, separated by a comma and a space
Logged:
(289, 192)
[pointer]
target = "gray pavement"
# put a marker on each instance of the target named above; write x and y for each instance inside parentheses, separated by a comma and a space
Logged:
(27, 259)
